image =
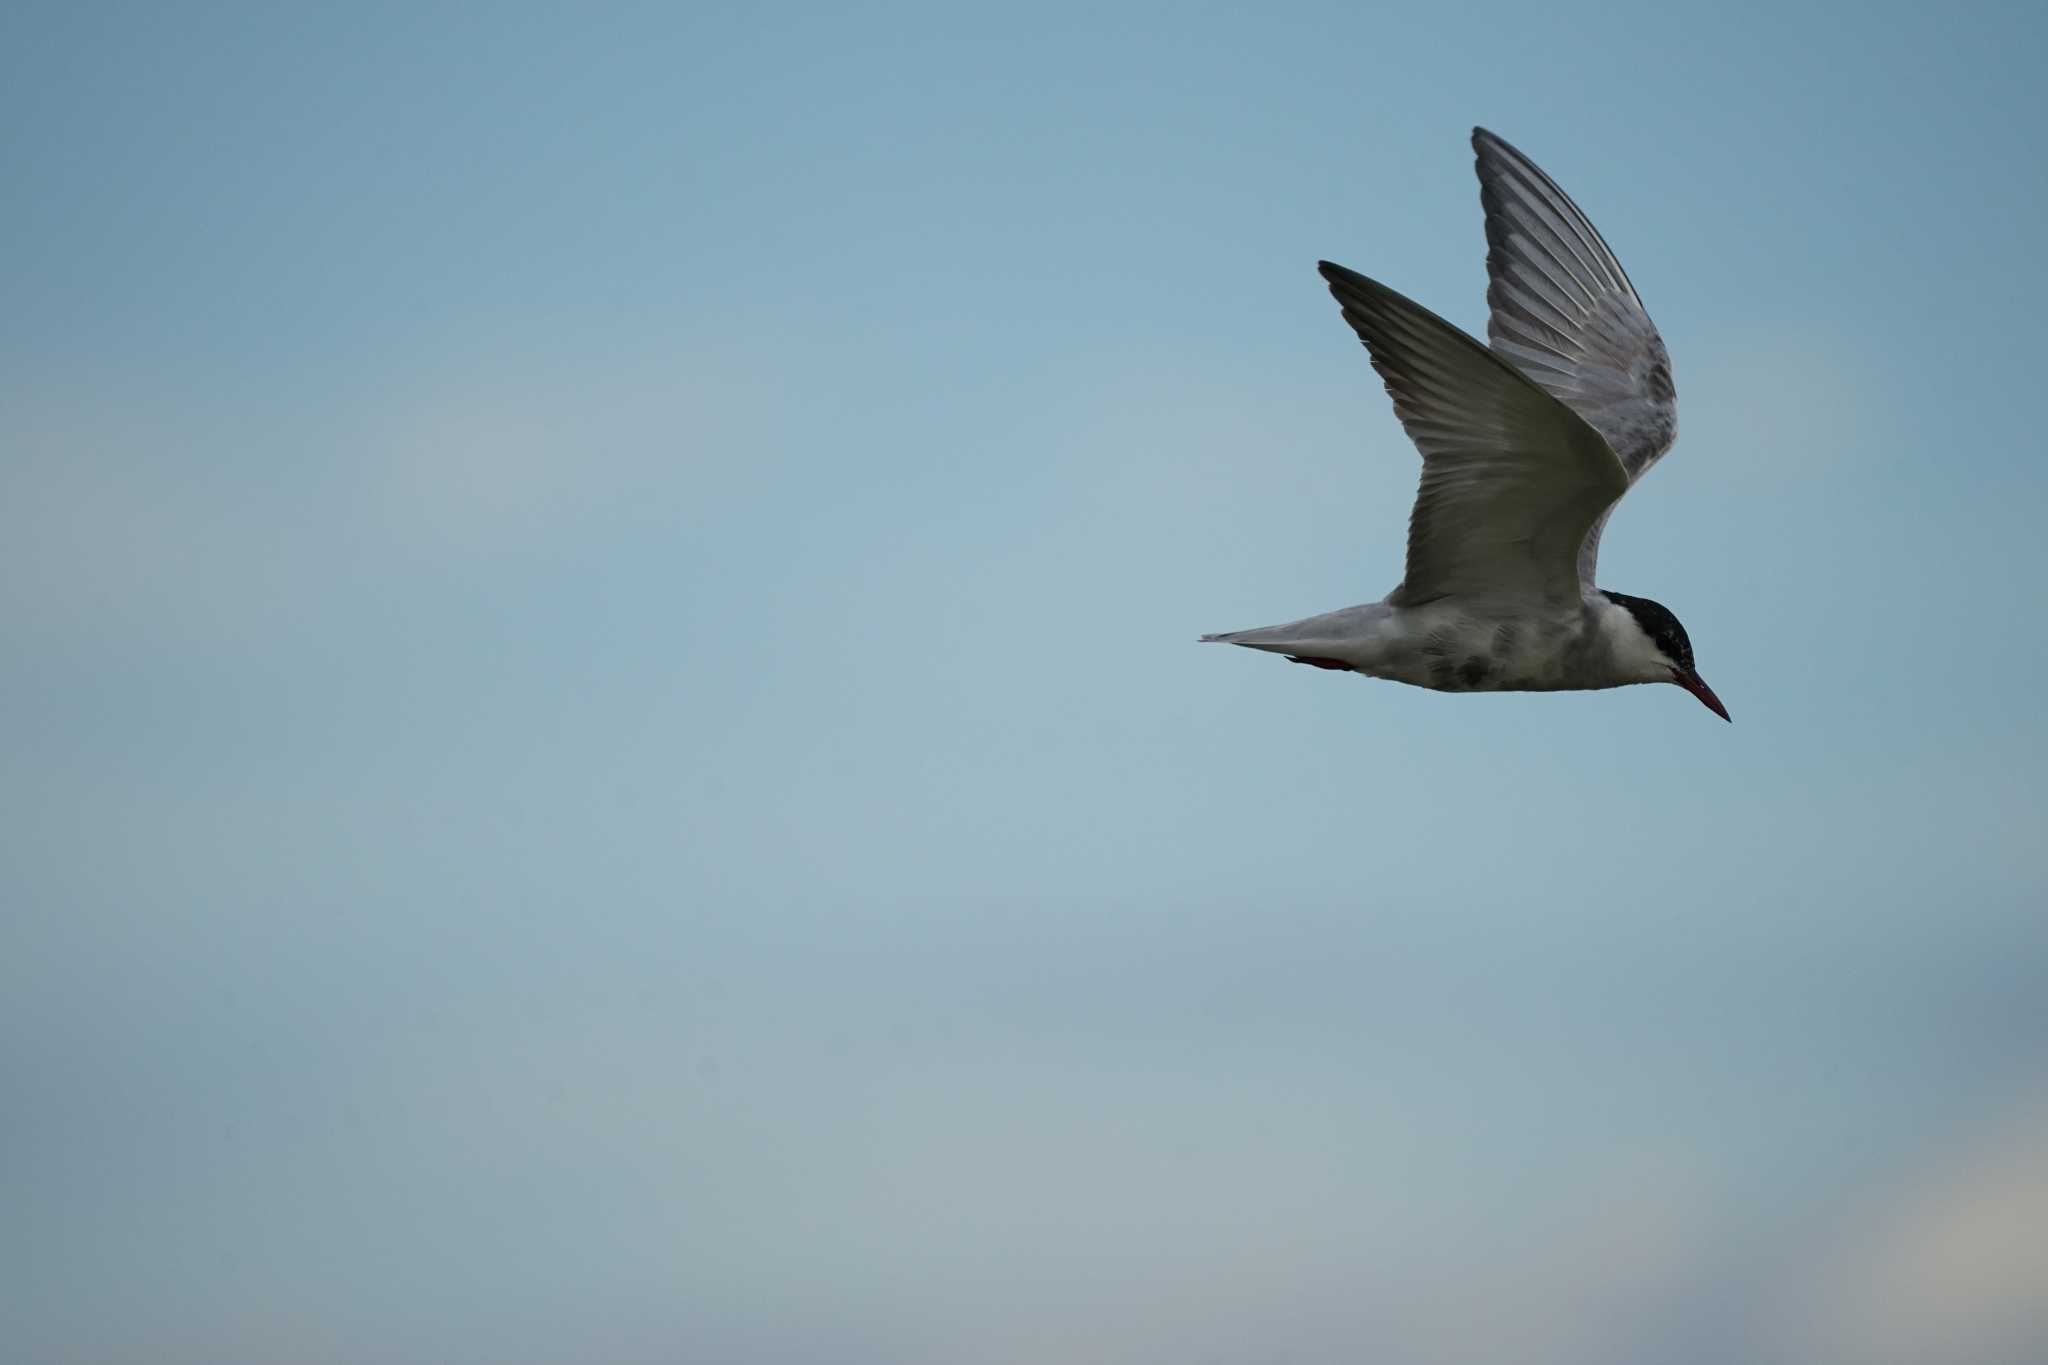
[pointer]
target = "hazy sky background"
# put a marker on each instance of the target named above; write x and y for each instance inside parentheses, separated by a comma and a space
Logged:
(605, 757)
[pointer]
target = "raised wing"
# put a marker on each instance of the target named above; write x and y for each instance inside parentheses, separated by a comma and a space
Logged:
(1565, 314)
(1512, 479)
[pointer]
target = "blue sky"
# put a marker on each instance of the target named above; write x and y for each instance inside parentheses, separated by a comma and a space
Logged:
(606, 759)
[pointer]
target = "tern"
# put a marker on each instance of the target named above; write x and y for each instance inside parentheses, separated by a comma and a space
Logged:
(1526, 445)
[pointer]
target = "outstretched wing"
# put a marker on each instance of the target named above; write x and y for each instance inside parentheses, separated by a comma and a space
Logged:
(1565, 314)
(1512, 479)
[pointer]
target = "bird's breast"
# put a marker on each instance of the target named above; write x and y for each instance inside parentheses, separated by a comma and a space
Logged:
(1463, 651)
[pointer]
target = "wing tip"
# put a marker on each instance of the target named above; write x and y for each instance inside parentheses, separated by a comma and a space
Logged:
(1337, 276)
(1485, 140)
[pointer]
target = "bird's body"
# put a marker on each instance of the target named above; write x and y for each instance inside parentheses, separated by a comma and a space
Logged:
(1526, 448)
(1452, 646)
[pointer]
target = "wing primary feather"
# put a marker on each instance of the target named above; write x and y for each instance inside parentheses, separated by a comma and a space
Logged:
(1564, 312)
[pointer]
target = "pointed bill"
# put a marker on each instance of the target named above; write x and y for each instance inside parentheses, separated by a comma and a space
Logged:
(1695, 684)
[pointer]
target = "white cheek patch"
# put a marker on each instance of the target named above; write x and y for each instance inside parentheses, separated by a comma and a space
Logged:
(1634, 651)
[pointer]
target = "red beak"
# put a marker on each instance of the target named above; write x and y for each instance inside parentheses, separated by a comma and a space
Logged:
(1692, 683)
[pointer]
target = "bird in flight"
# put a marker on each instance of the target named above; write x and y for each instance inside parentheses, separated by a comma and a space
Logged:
(1526, 447)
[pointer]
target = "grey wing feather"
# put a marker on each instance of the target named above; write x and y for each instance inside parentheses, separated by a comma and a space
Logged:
(1564, 313)
(1512, 479)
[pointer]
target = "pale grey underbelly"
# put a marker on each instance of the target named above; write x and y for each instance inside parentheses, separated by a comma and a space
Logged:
(1468, 655)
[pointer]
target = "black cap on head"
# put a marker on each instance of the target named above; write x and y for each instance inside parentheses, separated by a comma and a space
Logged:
(1657, 623)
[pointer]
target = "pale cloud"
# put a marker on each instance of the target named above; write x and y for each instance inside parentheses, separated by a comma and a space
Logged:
(500, 463)
(107, 522)
(1950, 1266)
(142, 513)
(504, 456)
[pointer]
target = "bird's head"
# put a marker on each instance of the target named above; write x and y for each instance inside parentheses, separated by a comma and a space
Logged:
(1650, 646)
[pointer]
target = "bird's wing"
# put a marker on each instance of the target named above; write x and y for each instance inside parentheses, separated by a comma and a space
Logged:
(1565, 314)
(1512, 479)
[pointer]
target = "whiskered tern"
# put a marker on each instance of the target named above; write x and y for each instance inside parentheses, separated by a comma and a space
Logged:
(1526, 447)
